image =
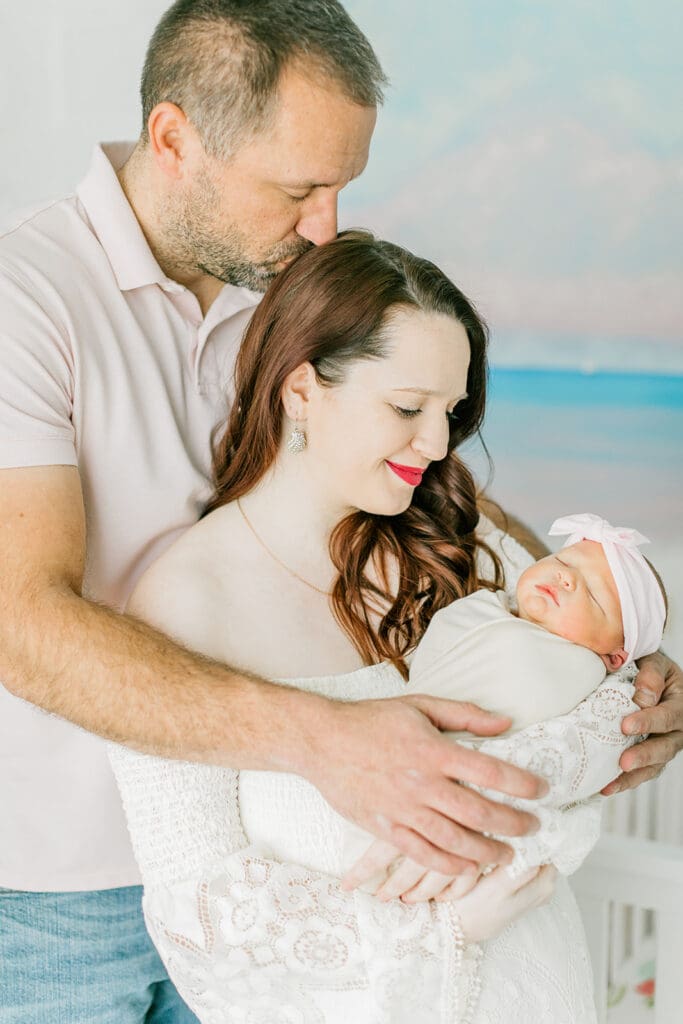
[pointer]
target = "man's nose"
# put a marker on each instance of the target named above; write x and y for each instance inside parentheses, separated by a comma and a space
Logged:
(318, 222)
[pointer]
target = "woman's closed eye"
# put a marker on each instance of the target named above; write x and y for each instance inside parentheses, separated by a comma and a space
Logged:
(408, 414)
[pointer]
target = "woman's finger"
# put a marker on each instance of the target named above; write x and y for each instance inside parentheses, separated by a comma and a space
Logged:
(376, 860)
(459, 887)
(403, 877)
(432, 884)
(541, 888)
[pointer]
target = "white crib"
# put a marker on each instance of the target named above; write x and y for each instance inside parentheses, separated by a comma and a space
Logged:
(630, 891)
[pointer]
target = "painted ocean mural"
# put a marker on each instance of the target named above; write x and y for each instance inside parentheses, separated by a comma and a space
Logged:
(538, 158)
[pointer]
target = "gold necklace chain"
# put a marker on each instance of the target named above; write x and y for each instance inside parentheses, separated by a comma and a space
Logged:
(279, 561)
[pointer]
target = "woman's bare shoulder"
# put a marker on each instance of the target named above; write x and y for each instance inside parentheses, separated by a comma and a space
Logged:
(189, 585)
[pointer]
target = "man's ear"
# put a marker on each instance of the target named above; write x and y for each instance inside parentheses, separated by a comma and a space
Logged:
(173, 141)
(297, 391)
(615, 660)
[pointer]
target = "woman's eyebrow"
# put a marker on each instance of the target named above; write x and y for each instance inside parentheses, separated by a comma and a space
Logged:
(429, 391)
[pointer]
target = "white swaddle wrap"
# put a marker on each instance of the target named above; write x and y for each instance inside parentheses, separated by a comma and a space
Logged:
(476, 650)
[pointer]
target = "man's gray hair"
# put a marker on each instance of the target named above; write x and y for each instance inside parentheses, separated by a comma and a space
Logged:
(220, 61)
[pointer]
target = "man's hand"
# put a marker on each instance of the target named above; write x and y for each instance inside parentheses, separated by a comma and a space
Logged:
(385, 765)
(659, 694)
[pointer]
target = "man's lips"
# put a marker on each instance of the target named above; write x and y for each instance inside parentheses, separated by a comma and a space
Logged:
(410, 474)
(550, 591)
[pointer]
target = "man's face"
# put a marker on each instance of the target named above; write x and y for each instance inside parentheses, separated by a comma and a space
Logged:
(242, 220)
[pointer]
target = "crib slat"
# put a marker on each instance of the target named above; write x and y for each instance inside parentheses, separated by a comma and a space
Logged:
(645, 875)
(668, 967)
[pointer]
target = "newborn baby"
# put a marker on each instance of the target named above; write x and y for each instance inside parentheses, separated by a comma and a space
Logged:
(585, 611)
(580, 613)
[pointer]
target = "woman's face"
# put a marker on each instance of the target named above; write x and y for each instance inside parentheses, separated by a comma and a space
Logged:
(371, 437)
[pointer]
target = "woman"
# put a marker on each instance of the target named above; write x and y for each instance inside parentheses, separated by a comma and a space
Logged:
(342, 520)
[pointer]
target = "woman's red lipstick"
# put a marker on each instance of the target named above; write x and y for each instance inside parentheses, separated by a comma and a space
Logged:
(409, 474)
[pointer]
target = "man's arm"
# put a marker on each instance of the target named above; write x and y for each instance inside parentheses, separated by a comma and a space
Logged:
(382, 764)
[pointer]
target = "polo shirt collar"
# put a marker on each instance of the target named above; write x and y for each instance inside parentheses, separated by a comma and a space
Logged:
(113, 220)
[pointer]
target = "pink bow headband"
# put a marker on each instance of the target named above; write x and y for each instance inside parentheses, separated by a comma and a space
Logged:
(642, 605)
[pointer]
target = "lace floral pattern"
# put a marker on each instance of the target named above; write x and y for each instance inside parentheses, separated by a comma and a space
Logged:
(254, 940)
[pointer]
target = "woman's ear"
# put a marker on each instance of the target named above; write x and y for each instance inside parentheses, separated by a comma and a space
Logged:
(615, 660)
(298, 390)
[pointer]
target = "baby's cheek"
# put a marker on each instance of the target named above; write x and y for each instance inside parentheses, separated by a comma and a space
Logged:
(578, 627)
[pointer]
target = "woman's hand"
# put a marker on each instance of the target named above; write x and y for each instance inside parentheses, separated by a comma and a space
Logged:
(485, 904)
(659, 693)
(497, 900)
(398, 877)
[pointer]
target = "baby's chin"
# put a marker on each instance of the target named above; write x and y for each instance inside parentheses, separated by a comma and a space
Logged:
(533, 608)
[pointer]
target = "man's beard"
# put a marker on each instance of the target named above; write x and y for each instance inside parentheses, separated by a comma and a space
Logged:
(193, 244)
(225, 259)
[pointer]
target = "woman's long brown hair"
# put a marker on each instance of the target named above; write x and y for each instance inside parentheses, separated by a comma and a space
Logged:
(329, 308)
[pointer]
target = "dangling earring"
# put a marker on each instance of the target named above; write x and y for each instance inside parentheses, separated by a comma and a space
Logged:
(297, 440)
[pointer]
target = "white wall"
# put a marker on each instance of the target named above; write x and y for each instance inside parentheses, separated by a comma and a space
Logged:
(69, 74)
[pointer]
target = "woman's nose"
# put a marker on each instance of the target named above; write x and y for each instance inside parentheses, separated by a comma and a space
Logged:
(431, 441)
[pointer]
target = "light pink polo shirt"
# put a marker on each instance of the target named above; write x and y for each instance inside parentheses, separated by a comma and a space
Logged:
(107, 365)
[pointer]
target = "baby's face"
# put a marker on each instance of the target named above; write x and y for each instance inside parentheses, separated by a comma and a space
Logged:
(573, 594)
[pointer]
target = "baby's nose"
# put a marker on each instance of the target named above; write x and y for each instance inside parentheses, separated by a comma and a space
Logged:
(567, 579)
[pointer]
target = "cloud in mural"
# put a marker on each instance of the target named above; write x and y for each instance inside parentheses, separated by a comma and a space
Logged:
(552, 223)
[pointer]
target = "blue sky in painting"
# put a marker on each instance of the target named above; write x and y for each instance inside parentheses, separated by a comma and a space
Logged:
(535, 150)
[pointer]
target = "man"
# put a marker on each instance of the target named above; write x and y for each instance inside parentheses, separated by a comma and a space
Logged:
(122, 308)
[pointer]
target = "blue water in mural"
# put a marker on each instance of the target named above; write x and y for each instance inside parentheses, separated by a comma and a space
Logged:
(567, 387)
(566, 441)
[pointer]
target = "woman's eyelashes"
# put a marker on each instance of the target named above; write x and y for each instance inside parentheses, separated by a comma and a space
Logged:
(408, 414)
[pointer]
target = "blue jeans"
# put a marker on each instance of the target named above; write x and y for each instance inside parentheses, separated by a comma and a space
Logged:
(82, 958)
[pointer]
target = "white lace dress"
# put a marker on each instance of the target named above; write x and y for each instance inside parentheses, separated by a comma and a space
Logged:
(242, 896)
(242, 901)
